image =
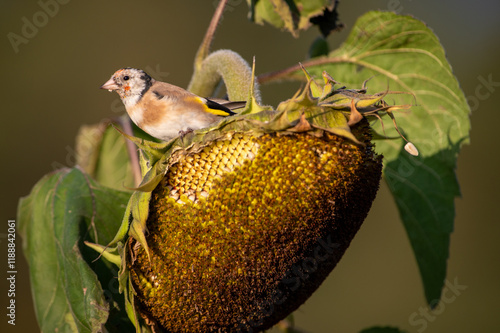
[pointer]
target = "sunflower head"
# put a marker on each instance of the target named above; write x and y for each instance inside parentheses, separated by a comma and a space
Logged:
(235, 226)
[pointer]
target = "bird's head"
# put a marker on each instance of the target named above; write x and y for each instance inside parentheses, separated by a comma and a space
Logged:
(129, 82)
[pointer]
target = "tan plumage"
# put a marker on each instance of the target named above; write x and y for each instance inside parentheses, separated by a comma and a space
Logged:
(162, 109)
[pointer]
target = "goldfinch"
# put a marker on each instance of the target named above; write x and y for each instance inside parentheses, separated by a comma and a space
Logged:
(163, 110)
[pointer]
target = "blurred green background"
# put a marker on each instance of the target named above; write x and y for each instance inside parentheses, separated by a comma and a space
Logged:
(50, 88)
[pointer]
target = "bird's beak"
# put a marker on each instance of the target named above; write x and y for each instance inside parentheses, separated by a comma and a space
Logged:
(110, 85)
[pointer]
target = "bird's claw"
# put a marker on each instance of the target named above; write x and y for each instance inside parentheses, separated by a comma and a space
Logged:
(182, 133)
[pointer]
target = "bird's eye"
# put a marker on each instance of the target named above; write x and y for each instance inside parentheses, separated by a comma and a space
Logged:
(126, 77)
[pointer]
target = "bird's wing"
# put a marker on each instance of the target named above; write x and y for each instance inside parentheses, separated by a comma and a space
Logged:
(166, 90)
(231, 105)
(216, 108)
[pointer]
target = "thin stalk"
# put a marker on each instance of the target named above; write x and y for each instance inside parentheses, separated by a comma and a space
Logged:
(204, 49)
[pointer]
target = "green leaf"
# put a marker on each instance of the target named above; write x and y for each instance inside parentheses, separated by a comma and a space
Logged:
(285, 14)
(403, 54)
(71, 291)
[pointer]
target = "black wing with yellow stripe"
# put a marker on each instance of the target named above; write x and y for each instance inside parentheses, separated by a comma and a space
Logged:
(218, 108)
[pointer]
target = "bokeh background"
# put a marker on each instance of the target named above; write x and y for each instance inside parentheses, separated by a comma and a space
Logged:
(49, 88)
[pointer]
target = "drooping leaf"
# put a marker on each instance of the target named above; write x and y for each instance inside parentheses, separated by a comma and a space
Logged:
(70, 291)
(401, 53)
